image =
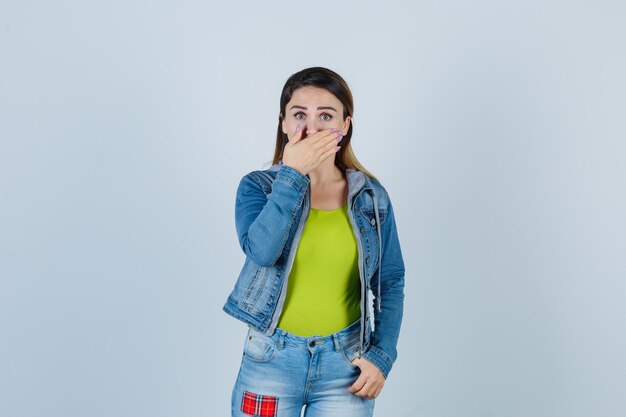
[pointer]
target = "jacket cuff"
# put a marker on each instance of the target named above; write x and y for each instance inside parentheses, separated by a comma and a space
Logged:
(293, 177)
(380, 359)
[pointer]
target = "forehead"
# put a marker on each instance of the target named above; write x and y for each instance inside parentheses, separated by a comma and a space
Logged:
(313, 96)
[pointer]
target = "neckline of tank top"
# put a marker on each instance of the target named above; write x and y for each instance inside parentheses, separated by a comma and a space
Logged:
(329, 211)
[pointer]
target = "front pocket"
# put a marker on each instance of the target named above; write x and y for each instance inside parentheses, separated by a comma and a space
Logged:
(258, 347)
(351, 351)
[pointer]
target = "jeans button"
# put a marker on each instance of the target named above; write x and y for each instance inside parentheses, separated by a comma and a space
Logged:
(312, 343)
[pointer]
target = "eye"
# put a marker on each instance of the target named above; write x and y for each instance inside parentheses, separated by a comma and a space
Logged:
(326, 117)
(299, 114)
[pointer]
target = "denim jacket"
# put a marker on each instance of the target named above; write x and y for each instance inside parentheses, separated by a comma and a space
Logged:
(270, 212)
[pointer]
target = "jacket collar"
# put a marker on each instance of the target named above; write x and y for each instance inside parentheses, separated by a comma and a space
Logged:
(357, 180)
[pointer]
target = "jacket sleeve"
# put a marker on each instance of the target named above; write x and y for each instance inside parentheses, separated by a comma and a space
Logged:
(263, 221)
(382, 351)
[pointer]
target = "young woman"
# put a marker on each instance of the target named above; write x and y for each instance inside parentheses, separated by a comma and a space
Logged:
(320, 239)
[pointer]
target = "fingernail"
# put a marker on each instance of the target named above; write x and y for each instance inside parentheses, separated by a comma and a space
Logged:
(333, 130)
(337, 149)
(339, 139)
(297, 128)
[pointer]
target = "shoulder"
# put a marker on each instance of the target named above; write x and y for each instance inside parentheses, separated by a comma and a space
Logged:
(260, 178)
(268, 174)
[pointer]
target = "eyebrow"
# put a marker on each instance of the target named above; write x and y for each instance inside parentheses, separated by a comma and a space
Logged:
(319, 108)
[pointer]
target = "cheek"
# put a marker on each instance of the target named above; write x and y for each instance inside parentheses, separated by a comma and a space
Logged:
(286, 125)
(290, 124)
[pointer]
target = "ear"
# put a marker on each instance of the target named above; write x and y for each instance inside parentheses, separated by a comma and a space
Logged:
(346, 125)
(282, 125)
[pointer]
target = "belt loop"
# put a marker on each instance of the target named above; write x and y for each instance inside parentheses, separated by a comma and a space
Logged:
(336, 342)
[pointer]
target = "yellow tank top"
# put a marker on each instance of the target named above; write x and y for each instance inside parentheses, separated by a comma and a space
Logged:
(324, 289)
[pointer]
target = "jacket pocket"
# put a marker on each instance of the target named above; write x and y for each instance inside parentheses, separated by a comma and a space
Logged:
(369, 237)
(370, 216)
(253, 292)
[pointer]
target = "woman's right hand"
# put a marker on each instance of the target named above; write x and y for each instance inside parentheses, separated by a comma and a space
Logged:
(306, 155)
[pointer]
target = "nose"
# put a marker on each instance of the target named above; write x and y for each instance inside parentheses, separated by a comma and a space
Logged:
(311, 128)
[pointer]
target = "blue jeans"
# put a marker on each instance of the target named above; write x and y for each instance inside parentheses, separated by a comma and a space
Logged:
(282, 373)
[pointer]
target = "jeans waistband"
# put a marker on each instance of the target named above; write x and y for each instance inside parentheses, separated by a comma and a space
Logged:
(342, 338)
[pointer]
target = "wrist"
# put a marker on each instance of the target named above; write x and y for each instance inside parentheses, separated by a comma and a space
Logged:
(297, 168)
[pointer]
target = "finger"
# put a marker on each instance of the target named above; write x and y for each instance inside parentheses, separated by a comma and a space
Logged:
(330, 150)
(366, 390)
(332, 140)
(322, 137)
(329, 142)
(297, 135)
(326, 155)
(372, 391)
(358, 384)
(371, 388)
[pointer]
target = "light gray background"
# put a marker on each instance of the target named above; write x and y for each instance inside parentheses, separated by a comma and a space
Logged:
(498, 128)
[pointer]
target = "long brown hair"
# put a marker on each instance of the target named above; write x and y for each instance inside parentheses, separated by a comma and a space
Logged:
(332, 82)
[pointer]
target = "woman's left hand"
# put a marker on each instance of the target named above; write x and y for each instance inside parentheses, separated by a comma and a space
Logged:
(370, 382)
